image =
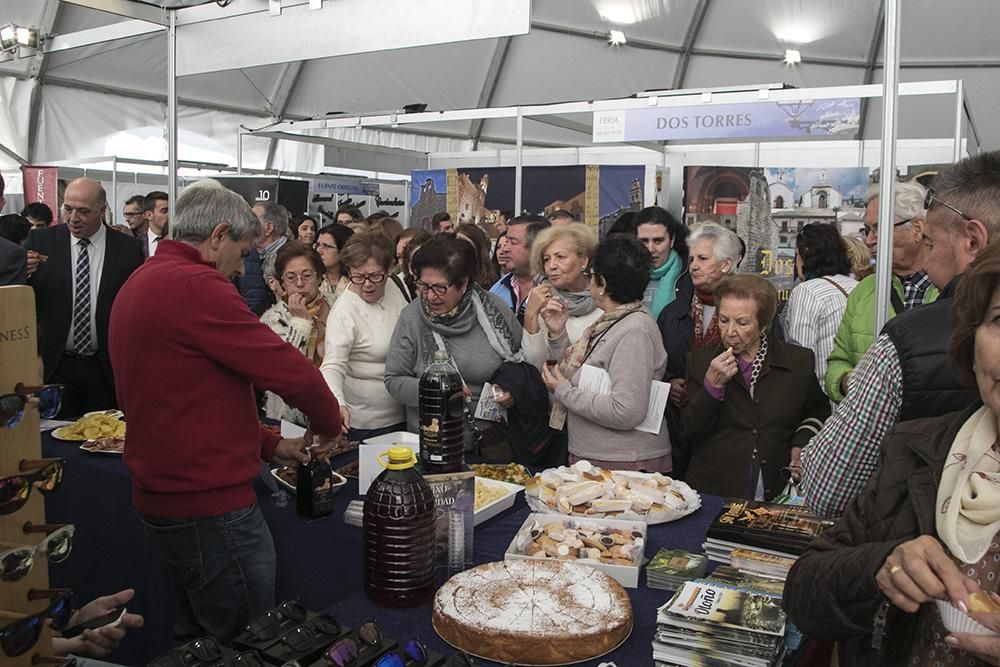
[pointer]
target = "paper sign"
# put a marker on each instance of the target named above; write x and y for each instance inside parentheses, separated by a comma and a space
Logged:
(598, 381)
(488, 408)
(290, 430)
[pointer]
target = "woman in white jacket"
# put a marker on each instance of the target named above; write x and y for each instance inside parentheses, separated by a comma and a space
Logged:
(562, 302)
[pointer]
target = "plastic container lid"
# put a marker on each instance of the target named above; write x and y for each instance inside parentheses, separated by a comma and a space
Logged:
(399, 458)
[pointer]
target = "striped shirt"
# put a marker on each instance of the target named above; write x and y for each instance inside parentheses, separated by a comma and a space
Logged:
(839, 459)
(813, 315)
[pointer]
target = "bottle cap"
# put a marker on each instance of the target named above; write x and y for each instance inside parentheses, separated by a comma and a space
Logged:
(398, 458)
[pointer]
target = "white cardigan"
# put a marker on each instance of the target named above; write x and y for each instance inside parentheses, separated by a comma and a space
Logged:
(537, 347)
(357, 342)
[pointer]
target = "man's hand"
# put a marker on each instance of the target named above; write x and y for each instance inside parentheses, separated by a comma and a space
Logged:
(290, 452)
(795, 465)
(919, 571)
(34, 260)
(102, 641)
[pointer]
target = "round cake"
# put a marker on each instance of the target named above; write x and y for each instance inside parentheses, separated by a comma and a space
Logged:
(533, 612)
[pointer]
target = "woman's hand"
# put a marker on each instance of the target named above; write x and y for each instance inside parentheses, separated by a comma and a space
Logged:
(552, 376)
(537, 298)
(345, 418)
(556, 314)
(919, 571)
(502, 397)
(678, 391)
(101, 641)
(795, 465)
(297, 306)
(985, 648)
(722, 369)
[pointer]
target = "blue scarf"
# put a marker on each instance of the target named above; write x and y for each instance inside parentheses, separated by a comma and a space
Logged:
(667, 275)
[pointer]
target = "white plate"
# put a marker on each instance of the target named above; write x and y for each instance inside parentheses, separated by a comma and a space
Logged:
(85, 447)
(111, 413)
(338, 481)
(60, 433)
(504, 502)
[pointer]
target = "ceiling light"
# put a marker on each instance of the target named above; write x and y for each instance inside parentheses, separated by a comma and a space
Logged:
(792, 56)
(616, 38)
(26, 37)
(8, 36)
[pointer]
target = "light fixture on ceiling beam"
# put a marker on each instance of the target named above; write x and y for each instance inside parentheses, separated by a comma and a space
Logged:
(617, 38)
(13, 37)
(792, 57)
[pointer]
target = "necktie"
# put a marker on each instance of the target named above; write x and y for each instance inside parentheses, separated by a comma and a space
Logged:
(81, 300)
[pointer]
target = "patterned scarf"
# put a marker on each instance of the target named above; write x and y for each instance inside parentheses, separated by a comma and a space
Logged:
(577, 353)
(704, 337)
(968, 495)
(758, 362)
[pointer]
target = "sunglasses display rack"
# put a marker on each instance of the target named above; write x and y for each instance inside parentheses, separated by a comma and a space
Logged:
(19, 363)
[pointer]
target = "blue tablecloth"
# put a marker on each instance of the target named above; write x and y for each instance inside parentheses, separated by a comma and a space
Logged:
(319, 561)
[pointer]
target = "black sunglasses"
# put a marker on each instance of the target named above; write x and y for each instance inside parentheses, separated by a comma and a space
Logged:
(17, 637)
(15, 490)
(305, 637)
(201, 650)
(12, 405)
(932, 197)
(267, 626)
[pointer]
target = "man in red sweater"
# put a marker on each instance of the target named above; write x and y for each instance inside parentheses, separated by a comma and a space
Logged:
(187, 354)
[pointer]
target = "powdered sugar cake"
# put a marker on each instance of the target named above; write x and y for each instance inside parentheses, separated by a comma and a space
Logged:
(533, 613)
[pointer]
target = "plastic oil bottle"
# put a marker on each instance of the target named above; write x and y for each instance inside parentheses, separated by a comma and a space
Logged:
(442, 416)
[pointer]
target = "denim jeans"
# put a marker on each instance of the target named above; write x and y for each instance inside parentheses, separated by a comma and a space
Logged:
(222, 569)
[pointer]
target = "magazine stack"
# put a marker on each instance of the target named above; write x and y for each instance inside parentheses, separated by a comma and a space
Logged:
(711, 623)
(670, 568)
(769, 535)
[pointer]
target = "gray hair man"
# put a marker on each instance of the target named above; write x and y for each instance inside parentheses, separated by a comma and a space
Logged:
(210, 354)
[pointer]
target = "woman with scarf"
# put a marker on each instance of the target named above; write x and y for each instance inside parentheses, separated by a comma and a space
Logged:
(329, 242)
(562, 304)
(476, 328)
(752, 402)
(625, 343)
(921, 539)
(688, 323)
(816, 305)
(299, 316)
(664, 237)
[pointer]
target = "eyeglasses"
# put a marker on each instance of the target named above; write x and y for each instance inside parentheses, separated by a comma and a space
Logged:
(325, 246)
(438, 290)
(18, 637)
(15, 490)
(16, 563)
(931, 197)
(268, 625)
(871, 229)
(294, 278)
(346, 650)
(375, 278)
(305, 637)
(12, 405)
(203, 649)
(132, 215)
(588, 272)
(414, 653)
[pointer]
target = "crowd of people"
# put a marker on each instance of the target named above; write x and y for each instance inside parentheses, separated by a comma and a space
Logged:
(530, 311)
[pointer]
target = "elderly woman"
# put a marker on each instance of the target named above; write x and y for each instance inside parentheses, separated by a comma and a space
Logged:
(752, 402)
(624, 343)
(303, 229)
(329, 242)
(562, 305)
(816, 305)
(664, 237)
(357, 338)
(924, 528)
(475, 327)
(300, 315)
(688, 323)
(484, 276)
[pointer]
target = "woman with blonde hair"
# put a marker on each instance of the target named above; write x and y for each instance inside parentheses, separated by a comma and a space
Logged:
(860, 257)
(562, 304)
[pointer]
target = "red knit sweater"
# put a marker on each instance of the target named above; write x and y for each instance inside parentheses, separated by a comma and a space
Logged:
(187, 353)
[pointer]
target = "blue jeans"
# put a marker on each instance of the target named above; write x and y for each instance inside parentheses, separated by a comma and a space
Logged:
(222, 569)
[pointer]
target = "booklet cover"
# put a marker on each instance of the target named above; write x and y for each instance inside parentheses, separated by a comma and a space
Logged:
(768, 525)
(728, 608)
(678, 563)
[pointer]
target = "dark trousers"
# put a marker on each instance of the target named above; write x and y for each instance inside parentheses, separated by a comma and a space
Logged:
(87, 387)
(222, 568)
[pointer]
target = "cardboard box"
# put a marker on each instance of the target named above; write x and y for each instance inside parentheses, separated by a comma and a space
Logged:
(453, 492)
(627, 576)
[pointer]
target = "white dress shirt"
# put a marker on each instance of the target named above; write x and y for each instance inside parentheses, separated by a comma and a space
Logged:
(153, 238)
(95, 255)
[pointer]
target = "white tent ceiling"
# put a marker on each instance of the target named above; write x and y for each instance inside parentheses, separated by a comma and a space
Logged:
(110, 98)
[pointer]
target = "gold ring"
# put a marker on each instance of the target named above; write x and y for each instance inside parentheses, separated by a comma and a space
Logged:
(894, 569)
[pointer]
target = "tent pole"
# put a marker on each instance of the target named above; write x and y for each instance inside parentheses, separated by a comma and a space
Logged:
(172, 109)
(239, 154)
(520, 162)
(959, 114)
(114, 187)
(887, 173)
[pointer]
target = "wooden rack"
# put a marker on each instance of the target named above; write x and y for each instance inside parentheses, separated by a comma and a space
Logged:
(19, 363)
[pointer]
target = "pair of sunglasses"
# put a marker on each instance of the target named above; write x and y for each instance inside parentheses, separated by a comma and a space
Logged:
(12, 405)
(414, 654)
(15, 490)
(205, 651)
(18, 636)
(267, 626)
(459, 660)
(16, 563)
(345, 651)
(317, 631)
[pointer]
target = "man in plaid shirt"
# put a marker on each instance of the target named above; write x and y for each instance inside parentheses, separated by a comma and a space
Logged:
(963, 216)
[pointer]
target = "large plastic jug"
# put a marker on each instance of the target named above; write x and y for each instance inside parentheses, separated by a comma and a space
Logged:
(442, 417)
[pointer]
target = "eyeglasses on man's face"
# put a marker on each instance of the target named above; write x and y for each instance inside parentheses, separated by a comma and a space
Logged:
(437, 290)
(932, 197)
(873, 229)
(374, 278)
(294, 278)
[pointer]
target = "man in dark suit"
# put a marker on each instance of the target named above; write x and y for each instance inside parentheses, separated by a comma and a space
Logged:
(74, 288)
(13, 263)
